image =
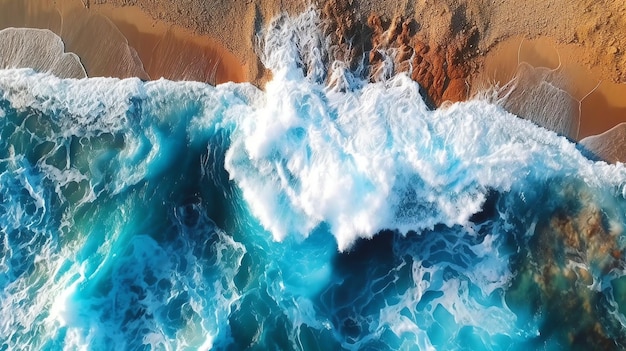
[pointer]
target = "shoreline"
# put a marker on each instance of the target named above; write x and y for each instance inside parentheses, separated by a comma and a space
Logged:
(597, 96)
(175, 45)
(590, 81)
(160, 47)
(129, 42)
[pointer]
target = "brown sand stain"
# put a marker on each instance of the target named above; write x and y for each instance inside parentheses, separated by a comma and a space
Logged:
(351, 36)
(442, 70)
(441, 67)
(603, 109)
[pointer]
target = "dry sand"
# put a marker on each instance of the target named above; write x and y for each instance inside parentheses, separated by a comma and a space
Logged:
(457, 47)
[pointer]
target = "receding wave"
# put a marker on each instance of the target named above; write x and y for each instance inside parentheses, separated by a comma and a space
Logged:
(101, 46)
(110, 45)
(39, 49)
(538, 94)
(609, 145)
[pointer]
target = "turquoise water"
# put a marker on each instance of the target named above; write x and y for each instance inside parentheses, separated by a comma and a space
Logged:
(308, 216)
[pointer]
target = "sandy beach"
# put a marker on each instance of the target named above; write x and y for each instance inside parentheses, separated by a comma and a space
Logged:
(456, 48)
(129, 42)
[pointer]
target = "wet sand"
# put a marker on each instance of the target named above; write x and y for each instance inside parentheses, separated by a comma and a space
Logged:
(125, 42)
(602, 102)
(173, 52)
(103, 50)
(39, 49)
(605, 108)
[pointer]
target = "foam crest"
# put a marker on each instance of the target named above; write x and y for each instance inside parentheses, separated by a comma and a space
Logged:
(293, 47)
(139, 119)
(376, 157)
(81, 107)
(303, 154)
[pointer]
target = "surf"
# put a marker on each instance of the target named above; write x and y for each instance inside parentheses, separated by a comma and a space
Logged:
(324, 212)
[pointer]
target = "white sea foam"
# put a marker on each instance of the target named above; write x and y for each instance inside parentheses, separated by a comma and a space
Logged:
(376, 157)
(360, 161)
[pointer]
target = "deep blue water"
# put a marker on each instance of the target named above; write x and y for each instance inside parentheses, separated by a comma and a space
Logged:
(176, 215)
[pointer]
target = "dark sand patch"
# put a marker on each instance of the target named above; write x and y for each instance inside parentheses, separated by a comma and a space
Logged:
(103, 49)
(30, 14)
(604, 108)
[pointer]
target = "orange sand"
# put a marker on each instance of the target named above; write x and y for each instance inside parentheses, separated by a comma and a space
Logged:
(125, 42)
(602, 102)
(171, 51)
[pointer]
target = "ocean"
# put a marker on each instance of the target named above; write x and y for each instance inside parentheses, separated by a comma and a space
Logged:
(325, 212)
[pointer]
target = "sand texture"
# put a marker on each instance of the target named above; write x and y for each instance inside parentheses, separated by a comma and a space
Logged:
(587, 25)
(456, 47)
